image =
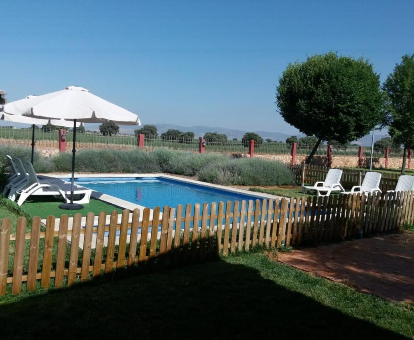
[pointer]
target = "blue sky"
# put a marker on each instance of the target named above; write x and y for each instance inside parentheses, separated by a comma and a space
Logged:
(212, 63)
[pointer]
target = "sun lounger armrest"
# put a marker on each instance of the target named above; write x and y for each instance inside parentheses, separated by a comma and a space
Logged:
(355, 189)
(317, 184)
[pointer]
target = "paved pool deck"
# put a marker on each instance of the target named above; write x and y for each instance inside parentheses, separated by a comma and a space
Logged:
(381, 265)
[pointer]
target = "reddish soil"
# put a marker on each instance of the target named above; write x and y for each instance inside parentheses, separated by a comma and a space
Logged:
(382, 265)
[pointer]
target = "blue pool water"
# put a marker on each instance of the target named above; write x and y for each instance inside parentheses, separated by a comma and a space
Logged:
(153, 192)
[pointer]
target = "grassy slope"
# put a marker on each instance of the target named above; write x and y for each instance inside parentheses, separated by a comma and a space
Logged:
(244, 297)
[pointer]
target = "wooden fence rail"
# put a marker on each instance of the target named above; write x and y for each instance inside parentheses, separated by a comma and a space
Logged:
(56, 255)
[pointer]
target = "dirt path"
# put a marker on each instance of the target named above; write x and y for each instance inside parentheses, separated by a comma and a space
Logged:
(383, 265)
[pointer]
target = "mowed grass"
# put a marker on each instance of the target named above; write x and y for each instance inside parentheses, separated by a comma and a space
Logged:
(248, 296)
(286, 192)
(45, 206)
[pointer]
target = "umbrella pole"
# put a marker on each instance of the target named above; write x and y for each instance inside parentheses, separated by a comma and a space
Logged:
(71, 205)
(33, 143)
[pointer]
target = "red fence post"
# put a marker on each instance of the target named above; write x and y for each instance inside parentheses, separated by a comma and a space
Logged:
(387, 155)
(251, 148)
(141, 138)
(62, 140)
(202, 145)
(360, 153)
(329, 155)
(410, 151)
(294, 150)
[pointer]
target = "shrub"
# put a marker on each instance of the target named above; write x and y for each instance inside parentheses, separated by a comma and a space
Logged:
(132, 161)
(41, 164)
(247, 172)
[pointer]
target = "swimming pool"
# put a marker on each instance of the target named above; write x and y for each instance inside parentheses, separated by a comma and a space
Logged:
(160, 191)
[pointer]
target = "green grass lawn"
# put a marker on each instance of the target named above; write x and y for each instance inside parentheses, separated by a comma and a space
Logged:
(45, 206)
(286, 192)
(247, 296)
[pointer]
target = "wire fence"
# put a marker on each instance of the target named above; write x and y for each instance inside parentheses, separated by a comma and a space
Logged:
(23, 136)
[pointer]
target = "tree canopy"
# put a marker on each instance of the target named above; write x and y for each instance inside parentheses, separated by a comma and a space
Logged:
(108, 128)
(49, 127)
(177, 135)
(216, 138)
(248, 136)
(150, 131)
(331, 97)
(399, 90)
(383, 143)
(307, 141)
(291, 140)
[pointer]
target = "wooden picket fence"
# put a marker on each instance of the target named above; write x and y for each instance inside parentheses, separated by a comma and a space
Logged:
(169, 239)
(350, 177)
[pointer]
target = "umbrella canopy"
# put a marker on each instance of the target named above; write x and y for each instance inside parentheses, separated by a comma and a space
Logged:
(72, 103)
(76, 104)
(34, 121)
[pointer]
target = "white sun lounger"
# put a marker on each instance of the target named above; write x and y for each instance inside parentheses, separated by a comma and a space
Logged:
(36, 188)
(16, 179)
(405, 183)
(22, 183)
(331, 183)
(369, 185)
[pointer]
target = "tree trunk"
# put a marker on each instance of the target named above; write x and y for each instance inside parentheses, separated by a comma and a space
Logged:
(404, 160)
(308, 160)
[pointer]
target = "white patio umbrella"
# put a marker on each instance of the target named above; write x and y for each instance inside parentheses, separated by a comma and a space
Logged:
(73, 104)
(34, 121)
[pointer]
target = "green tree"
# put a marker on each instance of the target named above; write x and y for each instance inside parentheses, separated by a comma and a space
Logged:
(171, 134)
(307, 141)
(49, 127)
(248, 136)
(150, 131)
(109, 128)
(383, 143)
(331, 97)
(177, 135)
(187, 137)
(80, 129)
(399, 90)
(216, 138)
(291, 140)
(268, 140)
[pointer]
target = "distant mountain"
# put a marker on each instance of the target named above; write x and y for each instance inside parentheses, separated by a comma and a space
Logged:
(199, 131)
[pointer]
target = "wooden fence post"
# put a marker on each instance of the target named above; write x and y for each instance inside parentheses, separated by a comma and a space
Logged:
(141, 138)
(409, 158)
(329, 155)
(360, 153)
(251, 148)
(387, 155)
(202, 145)
(294, 150)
